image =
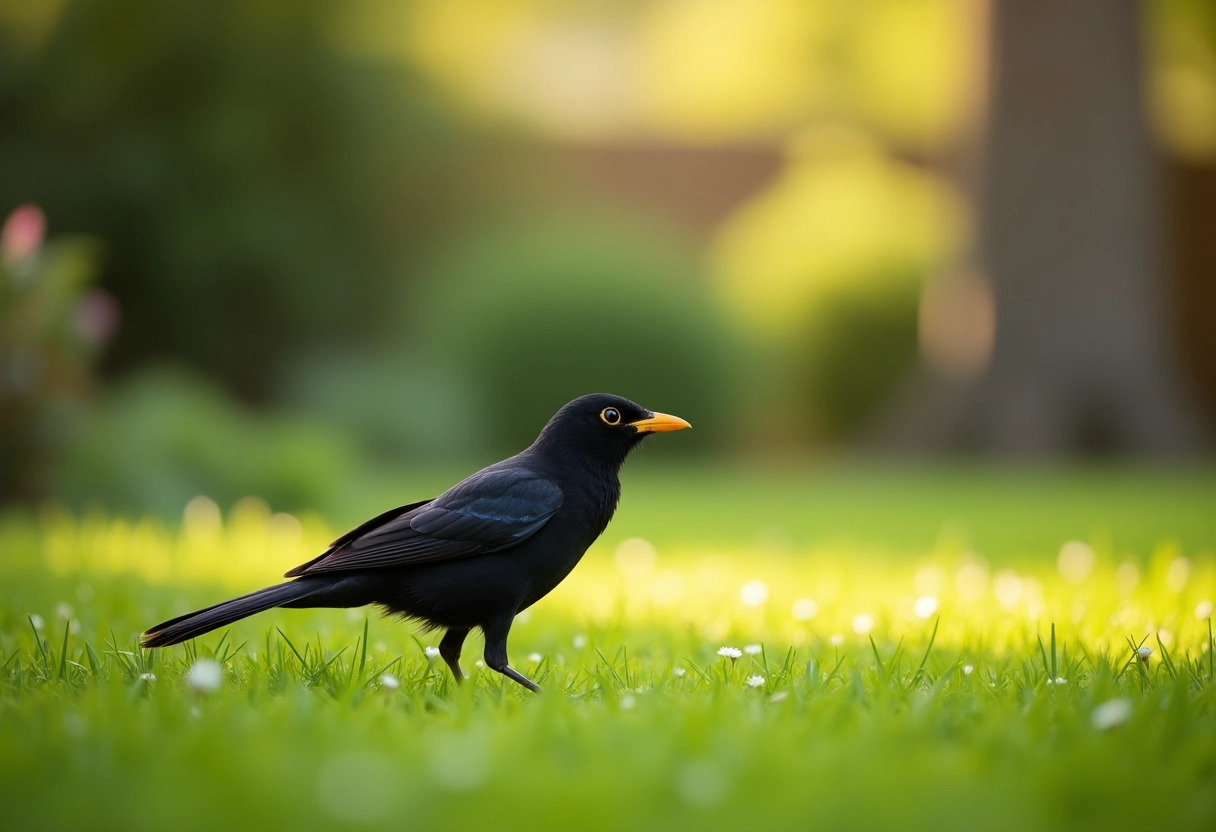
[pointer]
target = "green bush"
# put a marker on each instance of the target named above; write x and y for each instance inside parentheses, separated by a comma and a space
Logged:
(163, 437)
(53, 323)
(860, 341)
(532, 314)
(242, 166)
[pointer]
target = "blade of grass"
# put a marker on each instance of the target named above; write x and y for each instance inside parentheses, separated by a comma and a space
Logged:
(932, 637)
(292, 647)
(63, 652)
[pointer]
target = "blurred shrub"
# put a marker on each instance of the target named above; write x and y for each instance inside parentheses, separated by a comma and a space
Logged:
(52, 324)
(241, 163)
(163, 437)
(528, 315)
(825, 266)
(859, 343)
(397, 404)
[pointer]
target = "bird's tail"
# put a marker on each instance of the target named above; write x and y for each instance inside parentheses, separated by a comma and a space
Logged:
(192, 624)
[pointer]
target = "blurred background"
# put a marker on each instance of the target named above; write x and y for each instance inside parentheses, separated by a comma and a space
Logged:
(294, 249)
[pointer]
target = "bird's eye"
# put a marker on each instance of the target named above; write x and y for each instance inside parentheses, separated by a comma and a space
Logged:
(611, 416)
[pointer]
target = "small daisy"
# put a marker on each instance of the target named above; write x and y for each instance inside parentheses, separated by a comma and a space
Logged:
(148, 677)
(836, 639)
(535, 658)
(731, 653)
(755, 681)
(1143, 653)
(678, 671)
(389, 682)
(205, 676)
(1059, 680)
(431, 652)
(36, 620)
(753, 649)
(968, 669)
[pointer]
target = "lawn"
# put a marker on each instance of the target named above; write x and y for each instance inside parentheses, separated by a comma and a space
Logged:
(916, 649)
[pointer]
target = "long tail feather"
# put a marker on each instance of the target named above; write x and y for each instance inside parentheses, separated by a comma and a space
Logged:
(186, 627)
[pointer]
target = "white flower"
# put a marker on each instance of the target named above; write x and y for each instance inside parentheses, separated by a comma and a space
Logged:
(63, 609)
(36, 620)
(1203, 609)
(753, 649)
(389, 682)
(1111, 714)
(205, 676)
(836, 639)
(731, 653)
(805, 609)
(431, 652)
(1059, 680)
(627, 702)
(148, 677)
(863, 623)
(968, 669)
(678, 671)
(755, 681)
(925, 606)
(535, 658)
(753, 593)
(580, 641)
(1144, 653)
(1075, 561)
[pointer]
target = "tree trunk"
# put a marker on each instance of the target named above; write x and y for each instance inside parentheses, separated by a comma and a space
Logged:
(1070, 239)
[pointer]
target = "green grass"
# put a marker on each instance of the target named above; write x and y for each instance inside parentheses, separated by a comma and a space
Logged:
(956, 672)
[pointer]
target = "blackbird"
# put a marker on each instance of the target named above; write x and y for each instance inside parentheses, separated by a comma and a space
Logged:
(480, 552)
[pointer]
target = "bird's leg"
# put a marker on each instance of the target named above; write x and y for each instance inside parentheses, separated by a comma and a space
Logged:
(449, 649)
(496, 651)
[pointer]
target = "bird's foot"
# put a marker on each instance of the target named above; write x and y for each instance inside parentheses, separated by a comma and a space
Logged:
(515, 675)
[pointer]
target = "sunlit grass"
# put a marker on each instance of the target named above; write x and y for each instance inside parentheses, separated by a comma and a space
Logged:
(694, 677)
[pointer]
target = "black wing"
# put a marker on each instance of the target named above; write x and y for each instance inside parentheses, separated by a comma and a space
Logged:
(362, 528)
(490, 511)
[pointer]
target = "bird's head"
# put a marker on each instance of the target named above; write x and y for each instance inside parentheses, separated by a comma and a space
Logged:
(603, 428)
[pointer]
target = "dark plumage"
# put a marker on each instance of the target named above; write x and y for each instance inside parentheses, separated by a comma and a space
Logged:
(477, 554)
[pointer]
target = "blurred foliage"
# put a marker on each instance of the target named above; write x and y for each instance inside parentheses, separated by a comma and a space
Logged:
(162, 436)
(1182, 76)
(259, 189)
(399, 406)
(52, 324)
(700, 72)
(858, 344)
(827, 266)
(545, 310)
(303, 204)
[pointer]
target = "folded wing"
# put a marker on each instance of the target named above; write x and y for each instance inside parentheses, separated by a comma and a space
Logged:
(491, 511)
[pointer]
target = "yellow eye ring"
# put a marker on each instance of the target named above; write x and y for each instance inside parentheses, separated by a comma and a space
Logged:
(610, 416)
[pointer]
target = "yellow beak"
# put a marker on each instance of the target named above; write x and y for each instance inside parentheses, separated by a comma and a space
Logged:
(659, 423)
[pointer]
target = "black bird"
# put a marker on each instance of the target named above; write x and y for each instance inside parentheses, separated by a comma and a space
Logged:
(478, 553)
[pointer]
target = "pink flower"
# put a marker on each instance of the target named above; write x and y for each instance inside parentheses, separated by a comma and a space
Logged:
(22, 234)
(97, 318)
